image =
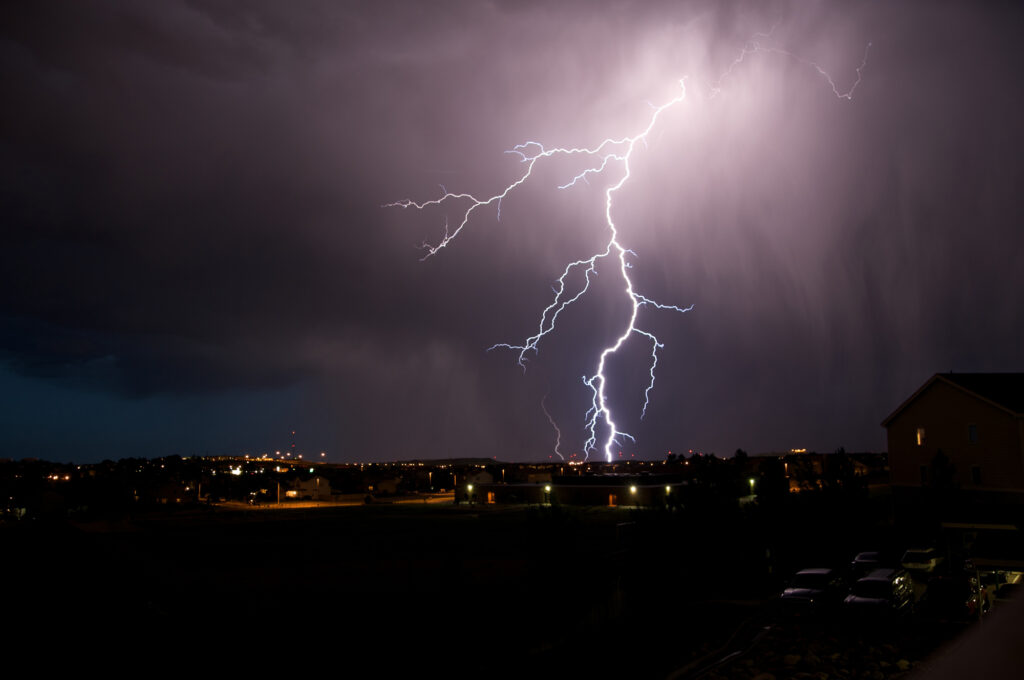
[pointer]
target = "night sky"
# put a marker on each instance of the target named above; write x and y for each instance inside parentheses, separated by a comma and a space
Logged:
(194, 256)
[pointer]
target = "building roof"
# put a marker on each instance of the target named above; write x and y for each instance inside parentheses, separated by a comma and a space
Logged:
(1002, 390)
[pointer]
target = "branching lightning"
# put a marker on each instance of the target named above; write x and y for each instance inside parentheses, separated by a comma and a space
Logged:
(611, 152)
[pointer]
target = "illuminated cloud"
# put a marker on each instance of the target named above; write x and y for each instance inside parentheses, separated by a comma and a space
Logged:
(192, 224)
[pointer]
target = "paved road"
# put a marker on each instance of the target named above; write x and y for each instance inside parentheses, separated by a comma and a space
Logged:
(422, 499)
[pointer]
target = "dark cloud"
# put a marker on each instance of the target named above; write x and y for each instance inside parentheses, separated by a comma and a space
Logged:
(191, 209)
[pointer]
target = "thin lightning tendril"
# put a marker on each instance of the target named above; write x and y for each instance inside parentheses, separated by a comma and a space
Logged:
(753, 46)
(609, 152)
(558, 432)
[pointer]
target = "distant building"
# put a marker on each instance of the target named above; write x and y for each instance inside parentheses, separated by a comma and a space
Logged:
(960, 435)
(538, 477)
(386, 485)
(479, 477)
(313, 489)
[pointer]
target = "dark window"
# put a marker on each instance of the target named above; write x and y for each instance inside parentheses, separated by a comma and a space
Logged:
(976, 474)
(972, 433)
(924, 474)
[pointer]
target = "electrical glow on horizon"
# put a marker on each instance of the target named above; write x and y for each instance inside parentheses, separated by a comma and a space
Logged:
(612, 154)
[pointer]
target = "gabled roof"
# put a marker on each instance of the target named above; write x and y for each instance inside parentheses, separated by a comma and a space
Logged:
(1002, 389)
(1005, 391)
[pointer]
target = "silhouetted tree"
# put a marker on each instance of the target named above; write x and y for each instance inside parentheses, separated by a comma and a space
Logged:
(839, 473)
(772, 487)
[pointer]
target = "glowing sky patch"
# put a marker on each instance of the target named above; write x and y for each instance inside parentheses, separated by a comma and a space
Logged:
(610, 155)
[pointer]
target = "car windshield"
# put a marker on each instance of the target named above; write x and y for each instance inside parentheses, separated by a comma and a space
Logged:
(872, 589)
(810, 580)
(919, 556)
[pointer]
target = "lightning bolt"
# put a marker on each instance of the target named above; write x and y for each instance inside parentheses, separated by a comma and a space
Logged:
(611, 152)
(558, 432)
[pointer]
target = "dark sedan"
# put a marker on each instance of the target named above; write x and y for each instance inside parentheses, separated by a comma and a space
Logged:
(880, 593)
(813, 590)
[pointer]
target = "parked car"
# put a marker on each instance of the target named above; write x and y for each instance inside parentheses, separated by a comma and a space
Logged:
(813, 590)
(1006, 592)
(864, 563)
(882, 592)
(923, 560)
(957, 597)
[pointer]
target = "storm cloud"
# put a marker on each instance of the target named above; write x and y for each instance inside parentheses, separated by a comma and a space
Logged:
(194, 255)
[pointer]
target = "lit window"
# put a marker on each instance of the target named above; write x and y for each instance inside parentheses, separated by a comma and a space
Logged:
(972, 433)
(920, 436)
